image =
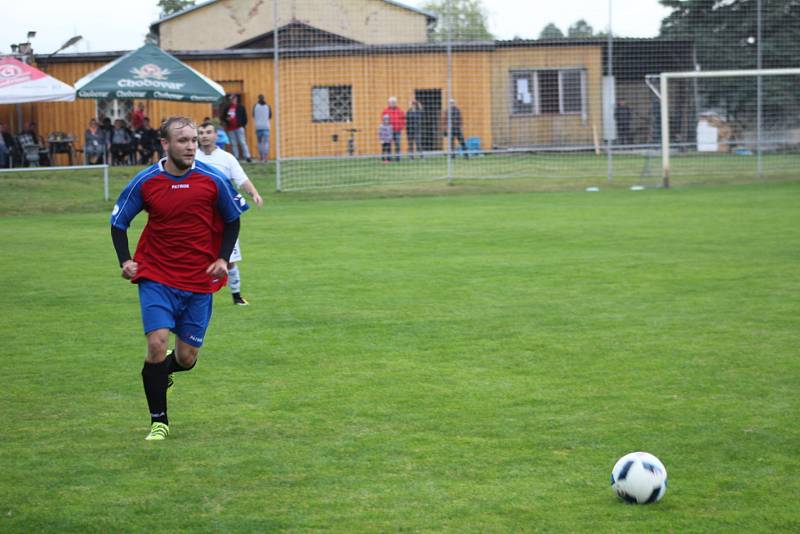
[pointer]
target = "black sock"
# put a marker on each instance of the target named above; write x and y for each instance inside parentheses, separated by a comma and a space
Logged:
(174, 367)
(154, 378)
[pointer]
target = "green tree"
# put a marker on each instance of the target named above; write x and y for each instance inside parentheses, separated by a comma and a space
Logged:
(724, 35)
(168, 7)
(551, 31)
(459, 20)
(580, 30)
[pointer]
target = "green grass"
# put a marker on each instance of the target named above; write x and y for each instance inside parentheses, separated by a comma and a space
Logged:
(421, 358)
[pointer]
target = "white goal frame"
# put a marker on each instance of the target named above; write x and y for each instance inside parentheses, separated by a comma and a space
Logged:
(664, 96)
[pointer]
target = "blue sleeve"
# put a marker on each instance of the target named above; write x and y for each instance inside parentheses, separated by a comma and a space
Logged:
(129, 203)
(229, 202)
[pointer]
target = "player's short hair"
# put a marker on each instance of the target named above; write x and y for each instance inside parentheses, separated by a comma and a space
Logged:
(174, 122)
(206, 123)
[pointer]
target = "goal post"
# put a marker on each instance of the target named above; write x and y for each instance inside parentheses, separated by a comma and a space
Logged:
(664, 96)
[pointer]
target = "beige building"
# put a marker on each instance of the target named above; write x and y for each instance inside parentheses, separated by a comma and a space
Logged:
(221, 24)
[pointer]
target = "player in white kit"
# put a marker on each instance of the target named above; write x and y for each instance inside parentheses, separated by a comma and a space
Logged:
(229, 166)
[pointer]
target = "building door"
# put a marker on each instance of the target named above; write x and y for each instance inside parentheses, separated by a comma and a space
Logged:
(431, 102)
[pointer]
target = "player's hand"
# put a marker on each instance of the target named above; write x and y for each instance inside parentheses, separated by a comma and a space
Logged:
(129, 269)
(218, 269)
(258, 200)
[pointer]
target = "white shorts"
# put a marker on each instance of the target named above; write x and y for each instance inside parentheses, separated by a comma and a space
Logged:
(236, 255)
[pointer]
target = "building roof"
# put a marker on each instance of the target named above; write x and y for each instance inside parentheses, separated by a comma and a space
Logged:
(184, 11)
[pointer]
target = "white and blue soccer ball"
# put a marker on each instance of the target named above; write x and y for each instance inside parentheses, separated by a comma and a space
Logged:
(639, 478)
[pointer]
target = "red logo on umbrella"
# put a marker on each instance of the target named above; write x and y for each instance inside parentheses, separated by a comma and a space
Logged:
(9, 71)
(150, 71)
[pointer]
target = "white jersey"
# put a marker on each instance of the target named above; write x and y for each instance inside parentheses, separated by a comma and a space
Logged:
(229, 166)
(226, 163)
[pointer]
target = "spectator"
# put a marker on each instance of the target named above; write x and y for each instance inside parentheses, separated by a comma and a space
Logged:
(624, 118)
(414, 129)
(6, 147)
(451, 118)
(94, 144)
(147, 142)
(30, 137)
(397, 118)
(234, 117)
(138, 116)
(262, 113)
(385, 135)
(120, 143)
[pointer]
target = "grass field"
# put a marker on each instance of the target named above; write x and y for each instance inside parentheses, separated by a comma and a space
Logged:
(471, 358)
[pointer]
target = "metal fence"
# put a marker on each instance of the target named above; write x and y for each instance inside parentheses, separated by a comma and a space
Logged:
(403, 94)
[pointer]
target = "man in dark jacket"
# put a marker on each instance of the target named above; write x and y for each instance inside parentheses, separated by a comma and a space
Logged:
(234, 117)
(451, 119)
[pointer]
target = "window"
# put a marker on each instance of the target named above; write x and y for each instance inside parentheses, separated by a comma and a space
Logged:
(332, 103)
(549, 92)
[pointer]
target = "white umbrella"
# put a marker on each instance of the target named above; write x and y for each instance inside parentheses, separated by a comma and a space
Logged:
(20, 83)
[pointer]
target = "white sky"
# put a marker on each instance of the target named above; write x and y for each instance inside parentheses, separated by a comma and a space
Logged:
(122, 24)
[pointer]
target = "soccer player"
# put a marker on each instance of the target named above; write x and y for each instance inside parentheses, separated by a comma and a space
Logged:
(181, 258)
(229, 166)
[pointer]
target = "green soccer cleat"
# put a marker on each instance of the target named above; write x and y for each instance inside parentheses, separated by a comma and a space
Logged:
(158, 432)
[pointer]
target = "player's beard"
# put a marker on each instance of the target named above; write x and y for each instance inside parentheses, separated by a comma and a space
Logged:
(179, 159)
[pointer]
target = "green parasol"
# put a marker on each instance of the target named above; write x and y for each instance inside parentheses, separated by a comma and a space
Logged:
(149, 73)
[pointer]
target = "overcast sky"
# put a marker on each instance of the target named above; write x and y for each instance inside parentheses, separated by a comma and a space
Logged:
(122, 24)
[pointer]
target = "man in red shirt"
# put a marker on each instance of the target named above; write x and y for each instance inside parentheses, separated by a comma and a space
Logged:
(181, 258)
(137, 117)
(234, 117)
(397, 118)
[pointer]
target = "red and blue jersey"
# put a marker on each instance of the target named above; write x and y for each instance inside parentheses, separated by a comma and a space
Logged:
(186, 216)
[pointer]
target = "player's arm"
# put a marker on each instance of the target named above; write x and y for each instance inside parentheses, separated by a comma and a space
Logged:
(120, 239)
(230, 233)
(251, 190)
(242, 181)
(125, 209)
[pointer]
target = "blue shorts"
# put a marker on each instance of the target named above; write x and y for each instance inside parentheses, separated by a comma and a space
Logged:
(185, 313)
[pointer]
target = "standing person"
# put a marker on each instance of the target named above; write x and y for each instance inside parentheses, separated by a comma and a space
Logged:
(262, 113)
(397, 118)
(385, 135)
(210, 154)
(451, 118)
(181, 258)
(138, 116)
(234, 117)
(414, 129)
(624, 117)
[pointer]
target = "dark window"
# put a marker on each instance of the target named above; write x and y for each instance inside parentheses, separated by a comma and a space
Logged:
(332, 103)
(548, 91)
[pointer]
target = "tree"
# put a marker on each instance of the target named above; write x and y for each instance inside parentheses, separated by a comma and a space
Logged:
(168, 7)
(723, 33)
(551, 31)
(581, 30)
(459, 20)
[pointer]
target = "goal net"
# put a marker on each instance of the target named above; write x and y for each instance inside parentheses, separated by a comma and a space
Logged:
(742, 124)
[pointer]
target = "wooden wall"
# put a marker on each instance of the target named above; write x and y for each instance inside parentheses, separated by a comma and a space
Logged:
(551, 129)
(481, 86)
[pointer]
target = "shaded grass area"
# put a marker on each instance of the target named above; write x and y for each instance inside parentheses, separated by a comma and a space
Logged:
(452, 363)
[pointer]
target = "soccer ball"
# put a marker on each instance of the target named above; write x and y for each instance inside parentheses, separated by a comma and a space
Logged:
(639, 478)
